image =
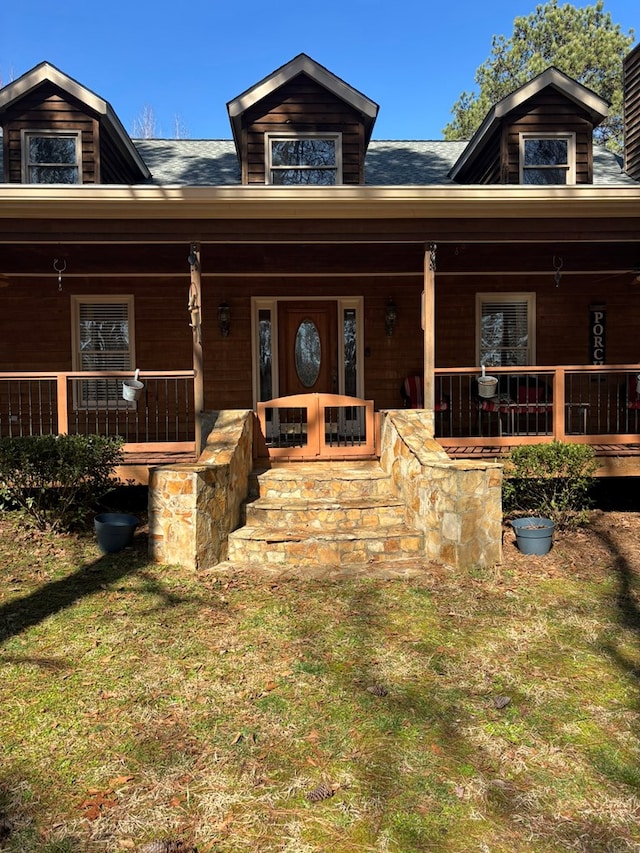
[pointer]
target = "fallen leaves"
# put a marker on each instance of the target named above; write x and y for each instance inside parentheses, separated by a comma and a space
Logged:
(99, 799)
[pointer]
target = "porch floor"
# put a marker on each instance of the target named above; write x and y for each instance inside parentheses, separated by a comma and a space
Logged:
(614, 460)
(136, 465)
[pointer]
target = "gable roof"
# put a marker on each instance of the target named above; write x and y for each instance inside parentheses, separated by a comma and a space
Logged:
(596, 107)
(302, 64)
(47, 73)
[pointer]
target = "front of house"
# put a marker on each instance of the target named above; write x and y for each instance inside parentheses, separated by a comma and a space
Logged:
(303, 257)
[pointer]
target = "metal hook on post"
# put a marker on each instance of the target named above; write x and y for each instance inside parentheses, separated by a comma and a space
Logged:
(59, 269)
(557, 265)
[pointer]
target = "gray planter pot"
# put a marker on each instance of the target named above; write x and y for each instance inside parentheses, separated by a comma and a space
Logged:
(534, 535)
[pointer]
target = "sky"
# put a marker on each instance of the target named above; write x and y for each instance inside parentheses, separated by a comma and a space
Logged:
(185, 61)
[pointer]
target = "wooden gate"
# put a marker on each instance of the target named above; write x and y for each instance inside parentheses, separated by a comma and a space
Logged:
(318, 426)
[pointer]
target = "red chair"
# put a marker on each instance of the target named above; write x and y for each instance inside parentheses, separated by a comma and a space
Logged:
(413, 396)
(533, 401)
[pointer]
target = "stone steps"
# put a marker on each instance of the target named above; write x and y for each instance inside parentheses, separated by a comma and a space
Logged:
(332, 514)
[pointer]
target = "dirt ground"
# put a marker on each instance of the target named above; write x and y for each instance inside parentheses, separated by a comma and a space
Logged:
(609, 538)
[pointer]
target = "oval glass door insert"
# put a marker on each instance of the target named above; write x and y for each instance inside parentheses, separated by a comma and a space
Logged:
(308, 353)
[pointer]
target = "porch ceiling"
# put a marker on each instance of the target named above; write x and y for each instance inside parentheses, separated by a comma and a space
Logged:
(355, 259)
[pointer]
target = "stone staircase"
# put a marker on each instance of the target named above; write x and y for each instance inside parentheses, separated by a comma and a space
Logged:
(323, 513)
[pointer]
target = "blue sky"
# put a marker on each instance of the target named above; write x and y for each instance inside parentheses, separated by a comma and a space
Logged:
(185, 61)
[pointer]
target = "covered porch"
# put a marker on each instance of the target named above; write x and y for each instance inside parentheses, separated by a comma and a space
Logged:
(174, 258)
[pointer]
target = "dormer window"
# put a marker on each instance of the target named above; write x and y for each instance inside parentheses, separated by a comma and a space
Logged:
(304, 159)
(51, 157)
(548, 158)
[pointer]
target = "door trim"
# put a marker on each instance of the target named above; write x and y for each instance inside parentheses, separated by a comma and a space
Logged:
(270, 304)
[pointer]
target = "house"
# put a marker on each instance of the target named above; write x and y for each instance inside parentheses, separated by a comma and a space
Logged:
(304, 257)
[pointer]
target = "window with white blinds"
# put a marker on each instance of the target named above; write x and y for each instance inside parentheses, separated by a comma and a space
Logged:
(103, 340)
(505, 328)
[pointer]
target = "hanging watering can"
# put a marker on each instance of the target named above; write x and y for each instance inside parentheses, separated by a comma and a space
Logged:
(487, 385)
(132, 389)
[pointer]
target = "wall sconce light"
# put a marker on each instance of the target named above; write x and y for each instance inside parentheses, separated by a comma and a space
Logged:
(390, 317)
(224, 319)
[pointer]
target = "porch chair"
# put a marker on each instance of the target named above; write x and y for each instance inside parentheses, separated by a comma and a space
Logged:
(413, 398)
(631, 398)
(526, 404)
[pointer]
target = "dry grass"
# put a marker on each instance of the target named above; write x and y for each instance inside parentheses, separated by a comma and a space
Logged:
(144, 702)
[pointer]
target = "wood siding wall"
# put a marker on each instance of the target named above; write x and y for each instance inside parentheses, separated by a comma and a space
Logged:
(632, 113)
(47, 109)
(548, 112)
(302, 106)
(37, 324)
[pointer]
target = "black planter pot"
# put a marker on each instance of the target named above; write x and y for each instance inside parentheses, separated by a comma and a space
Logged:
(114, 530)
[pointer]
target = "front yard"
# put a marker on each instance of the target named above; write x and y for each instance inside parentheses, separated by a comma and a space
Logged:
(480, 711)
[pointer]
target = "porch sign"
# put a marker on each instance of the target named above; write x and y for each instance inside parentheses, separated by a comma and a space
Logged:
(597, 334)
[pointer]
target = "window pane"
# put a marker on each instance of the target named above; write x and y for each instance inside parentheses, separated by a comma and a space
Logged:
(303, 152)
(53, 175)
(322, 177)
(52, 149)
(545, 176)
(350, 350)
(265, 355)
(308, 353)
(504, 334)
(546, 152)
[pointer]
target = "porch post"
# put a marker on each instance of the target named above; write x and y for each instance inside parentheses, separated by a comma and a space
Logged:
(429, 324)
(195, 309)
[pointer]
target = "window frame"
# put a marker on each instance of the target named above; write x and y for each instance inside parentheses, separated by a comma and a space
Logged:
(270, 168)
(27, 165)
(569, 167)
(526, 297)
(80, 399)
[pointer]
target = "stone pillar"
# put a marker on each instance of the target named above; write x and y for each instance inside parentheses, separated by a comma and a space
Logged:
(457, 504)
(194, 507)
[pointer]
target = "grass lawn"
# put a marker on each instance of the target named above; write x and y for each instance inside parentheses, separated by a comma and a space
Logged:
(489, 710)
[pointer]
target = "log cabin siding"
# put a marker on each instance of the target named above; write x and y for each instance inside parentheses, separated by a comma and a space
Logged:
(302, 106)
(48, 109)
(632, 113)
(549, 112)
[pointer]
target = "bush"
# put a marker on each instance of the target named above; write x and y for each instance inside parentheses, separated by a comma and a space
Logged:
(57, 480)
(552, 480)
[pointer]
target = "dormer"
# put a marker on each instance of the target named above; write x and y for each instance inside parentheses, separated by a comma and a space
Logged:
(55, 131)
(540, 134)
(302, 125)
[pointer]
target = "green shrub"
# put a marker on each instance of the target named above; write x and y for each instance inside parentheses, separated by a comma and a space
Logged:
(57, 480)
(552, 480)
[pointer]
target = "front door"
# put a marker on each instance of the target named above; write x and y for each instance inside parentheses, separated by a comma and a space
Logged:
(307, 349)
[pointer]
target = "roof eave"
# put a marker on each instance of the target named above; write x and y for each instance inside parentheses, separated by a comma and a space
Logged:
(266, 202)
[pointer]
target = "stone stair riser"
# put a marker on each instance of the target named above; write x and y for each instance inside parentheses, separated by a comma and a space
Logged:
(368, 518)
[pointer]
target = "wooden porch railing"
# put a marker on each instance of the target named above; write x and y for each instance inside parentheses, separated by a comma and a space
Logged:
(317, 426)
(53, 403)
(591, 404)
